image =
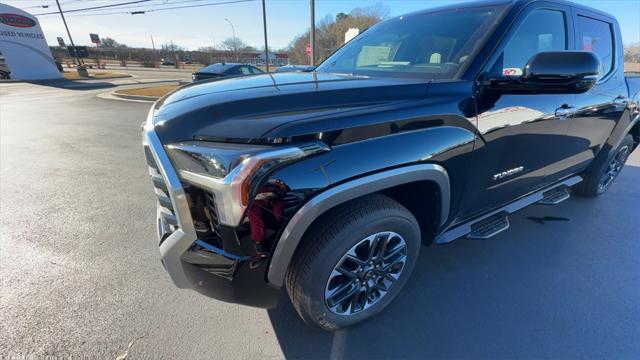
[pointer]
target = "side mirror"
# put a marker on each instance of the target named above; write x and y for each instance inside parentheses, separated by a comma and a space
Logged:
(553, 72)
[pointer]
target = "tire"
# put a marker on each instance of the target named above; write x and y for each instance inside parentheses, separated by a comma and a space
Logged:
(353, 227)
(604, 172)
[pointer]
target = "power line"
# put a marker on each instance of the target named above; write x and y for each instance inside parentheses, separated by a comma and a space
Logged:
(97, 7)
(139, 6)
(148, 10)
(44, 6)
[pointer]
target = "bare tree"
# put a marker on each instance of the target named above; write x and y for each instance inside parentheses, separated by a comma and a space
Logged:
(205, 54)
(632, 53)
(109, 43)
(330, 32)
(236, 47)
(173, 52)
(379, 11)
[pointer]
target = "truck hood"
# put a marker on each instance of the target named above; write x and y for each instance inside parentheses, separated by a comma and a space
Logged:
(244, 109)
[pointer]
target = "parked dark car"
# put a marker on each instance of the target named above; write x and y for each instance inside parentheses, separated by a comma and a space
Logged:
(167, 62)
(225, 70)
(295, 68)
(427, 128)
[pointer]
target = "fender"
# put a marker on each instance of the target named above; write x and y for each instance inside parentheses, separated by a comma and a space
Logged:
(318, 205)
(425, 155)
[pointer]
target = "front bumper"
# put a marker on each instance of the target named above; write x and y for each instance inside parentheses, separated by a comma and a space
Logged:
(191, 262)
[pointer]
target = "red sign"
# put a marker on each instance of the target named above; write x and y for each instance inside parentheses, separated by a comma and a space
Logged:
(308, 49)
(17, 20)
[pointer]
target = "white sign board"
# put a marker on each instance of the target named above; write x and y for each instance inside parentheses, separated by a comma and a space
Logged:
(24, 47)
(350, 34)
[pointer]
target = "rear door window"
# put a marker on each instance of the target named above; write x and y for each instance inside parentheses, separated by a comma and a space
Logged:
(596, 36)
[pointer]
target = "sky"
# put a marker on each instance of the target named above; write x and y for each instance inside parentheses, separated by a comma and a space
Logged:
(206, 25)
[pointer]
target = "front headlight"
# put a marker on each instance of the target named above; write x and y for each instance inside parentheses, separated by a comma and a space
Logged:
(227, 170)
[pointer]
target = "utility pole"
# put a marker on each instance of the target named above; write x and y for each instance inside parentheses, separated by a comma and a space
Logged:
(235, 42)
(266, 45)
(153, 45)
(312, 41)
(75, 51)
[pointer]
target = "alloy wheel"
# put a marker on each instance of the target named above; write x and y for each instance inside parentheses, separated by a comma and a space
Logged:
(366, 273)
(614, 168)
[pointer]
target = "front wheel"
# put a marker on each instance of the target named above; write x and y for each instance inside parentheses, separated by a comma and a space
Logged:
(605, 171)
(353, 262)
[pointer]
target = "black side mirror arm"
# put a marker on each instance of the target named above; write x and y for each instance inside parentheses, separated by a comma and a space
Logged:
(520, 85)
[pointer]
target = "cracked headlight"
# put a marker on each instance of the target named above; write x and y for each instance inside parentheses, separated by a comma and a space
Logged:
(227, 170)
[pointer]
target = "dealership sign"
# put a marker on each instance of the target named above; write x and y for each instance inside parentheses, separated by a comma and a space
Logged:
(24, 47)
(17, 20)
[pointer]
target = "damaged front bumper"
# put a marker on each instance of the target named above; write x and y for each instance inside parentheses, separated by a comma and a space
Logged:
(192, 262)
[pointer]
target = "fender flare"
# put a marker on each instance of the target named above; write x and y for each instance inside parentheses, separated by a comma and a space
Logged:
(294, 231)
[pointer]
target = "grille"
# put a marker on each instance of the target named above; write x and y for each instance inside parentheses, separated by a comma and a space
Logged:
(213, 213)
(167, 213)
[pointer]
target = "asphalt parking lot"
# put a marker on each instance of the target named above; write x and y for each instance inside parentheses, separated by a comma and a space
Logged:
(81, 276)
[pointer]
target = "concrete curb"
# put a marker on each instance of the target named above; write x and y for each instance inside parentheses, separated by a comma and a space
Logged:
(145, 98)
(135, 97)
(110, 96)
(114, 95)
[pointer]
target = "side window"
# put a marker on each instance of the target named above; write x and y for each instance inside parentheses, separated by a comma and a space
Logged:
(542, 30)
(596, 36)
(245, 70)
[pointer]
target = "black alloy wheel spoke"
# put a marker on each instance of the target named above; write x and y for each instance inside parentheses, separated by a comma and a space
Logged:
(614, 168)
(366, 273)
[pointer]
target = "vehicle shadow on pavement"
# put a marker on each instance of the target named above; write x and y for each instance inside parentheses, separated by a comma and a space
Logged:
(538, 289)
(73, 85)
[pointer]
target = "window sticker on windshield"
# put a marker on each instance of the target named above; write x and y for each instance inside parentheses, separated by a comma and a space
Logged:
(512, 71)
(373, 55)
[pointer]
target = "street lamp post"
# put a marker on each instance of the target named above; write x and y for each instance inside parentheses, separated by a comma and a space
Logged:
(235, 43)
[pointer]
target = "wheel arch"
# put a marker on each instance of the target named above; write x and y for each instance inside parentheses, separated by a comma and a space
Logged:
(384, 182)
(635, 130)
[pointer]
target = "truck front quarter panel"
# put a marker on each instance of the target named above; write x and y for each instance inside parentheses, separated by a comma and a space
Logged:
(440, 154)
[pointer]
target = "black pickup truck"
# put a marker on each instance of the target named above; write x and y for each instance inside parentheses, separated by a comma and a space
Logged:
(425, 128)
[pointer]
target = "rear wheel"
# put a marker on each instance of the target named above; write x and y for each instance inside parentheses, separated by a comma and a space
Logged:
(599, 179)
(353, 262)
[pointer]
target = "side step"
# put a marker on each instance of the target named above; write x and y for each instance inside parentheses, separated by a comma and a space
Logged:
(489, 227)
(555, 196)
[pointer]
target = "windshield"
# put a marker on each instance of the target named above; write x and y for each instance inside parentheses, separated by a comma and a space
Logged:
(432, 45)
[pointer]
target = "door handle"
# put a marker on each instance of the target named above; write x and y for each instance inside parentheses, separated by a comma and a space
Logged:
(621, 100)
(564, 112)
